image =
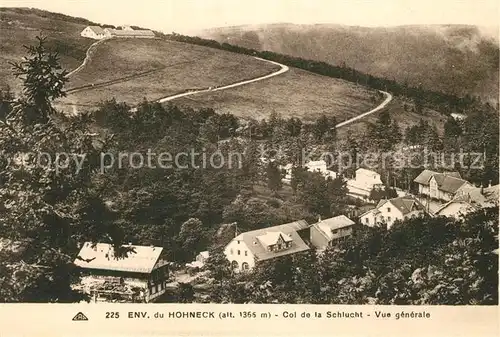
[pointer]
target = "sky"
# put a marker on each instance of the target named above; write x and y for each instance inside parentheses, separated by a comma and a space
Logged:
(184, 16)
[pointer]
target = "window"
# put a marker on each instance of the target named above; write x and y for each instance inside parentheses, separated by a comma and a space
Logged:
(388, 218)
(388, 209)
(239, 252)
(245, 266)
(238, 241)
(367, 220)
(246, 253)
(231, 251)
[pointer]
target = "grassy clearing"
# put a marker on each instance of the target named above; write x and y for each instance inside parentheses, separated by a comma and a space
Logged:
(404, 119)
(296, 93)
(174, 67)
(18, 29)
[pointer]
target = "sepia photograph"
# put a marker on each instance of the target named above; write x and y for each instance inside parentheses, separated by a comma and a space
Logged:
(249, 152)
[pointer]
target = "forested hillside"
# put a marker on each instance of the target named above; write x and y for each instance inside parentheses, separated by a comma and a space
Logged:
(453, 59)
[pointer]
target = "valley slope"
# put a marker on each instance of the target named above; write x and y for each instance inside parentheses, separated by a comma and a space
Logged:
(452, 59)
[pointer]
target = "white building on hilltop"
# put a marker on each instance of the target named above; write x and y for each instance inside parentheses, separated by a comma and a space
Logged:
(98, 33)
(94, 32)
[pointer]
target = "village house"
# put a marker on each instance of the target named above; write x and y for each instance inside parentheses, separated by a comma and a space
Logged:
(363, 183)
(138, 276)
(328, 232)
(249, 248)
(440, 186)
(94, 32)
(470, 199)
(389, 211)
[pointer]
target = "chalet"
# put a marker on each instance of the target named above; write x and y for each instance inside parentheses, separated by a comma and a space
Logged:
(363, 183)
(327, 232)
(469, 199)
(139, 275)
(440, 186)
(388, 211)
(94, 32)
(249, 248)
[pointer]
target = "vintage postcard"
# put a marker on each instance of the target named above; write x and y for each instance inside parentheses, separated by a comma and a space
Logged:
(240, 168)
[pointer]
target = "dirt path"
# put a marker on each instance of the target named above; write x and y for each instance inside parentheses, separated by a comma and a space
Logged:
(356, 118)
(283, 69)
(190, 92)
(88, 56)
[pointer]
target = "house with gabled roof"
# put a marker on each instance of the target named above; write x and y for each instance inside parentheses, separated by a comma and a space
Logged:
(440, 186)
(327, 232)
(139, 274)
(389, 211)
(249, 248)
(469, 199)
(94, 32)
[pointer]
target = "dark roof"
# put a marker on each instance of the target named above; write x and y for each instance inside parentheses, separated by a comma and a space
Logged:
(404, 204)
(290, 229)
(424, 177)
(449, 184)
(448, 181)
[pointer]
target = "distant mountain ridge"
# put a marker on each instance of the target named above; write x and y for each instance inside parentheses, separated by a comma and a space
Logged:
(455, 59)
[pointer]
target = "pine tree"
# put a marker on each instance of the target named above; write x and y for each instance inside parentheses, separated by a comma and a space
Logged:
(54, 204)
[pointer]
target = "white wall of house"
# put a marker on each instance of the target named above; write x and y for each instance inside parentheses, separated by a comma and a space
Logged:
(87, 32)
(423, 189)
(237, 251)
(386, 214)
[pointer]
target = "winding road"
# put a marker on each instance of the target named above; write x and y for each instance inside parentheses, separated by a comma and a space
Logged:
(283, 69)
(88, 57)
(388, 98)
